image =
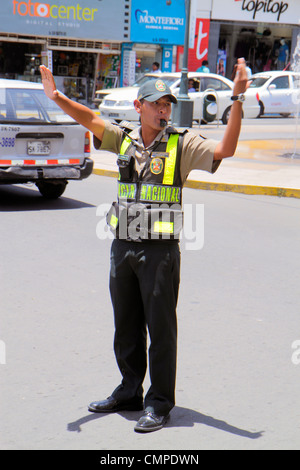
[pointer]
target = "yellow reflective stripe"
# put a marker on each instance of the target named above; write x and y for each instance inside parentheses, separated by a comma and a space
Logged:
(114, 221)
(163, 227)
(125, 144)
(170, 162)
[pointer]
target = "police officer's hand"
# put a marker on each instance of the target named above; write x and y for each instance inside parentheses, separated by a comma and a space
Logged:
(241, 82)
(48, 83)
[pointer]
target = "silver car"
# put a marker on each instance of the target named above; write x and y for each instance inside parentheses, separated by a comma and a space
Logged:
(39, 143)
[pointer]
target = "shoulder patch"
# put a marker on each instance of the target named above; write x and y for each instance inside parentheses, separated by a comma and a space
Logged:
(177, 130)
(127, 126)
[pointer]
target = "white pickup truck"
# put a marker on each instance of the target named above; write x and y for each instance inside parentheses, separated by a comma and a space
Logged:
(39, 143)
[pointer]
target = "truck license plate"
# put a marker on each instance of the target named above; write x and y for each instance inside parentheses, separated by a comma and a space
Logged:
(38, 147)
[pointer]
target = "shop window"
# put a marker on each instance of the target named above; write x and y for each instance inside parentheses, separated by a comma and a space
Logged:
(281, 82)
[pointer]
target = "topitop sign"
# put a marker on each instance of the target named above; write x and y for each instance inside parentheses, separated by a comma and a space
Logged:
(265, 11)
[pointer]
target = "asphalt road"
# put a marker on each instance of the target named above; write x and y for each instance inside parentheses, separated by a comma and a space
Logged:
(238, 375)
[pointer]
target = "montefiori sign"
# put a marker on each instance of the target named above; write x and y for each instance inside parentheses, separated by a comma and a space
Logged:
(157, 22)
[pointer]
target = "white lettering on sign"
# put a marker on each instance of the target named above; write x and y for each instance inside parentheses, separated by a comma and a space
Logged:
(201, 35)
(143, 17)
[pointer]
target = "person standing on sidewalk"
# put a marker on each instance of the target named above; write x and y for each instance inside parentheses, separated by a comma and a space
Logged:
(154, 160)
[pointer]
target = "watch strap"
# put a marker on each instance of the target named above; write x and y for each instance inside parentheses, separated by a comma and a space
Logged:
(241, 98)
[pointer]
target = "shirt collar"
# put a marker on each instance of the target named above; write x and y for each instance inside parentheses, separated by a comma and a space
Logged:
(136, 135)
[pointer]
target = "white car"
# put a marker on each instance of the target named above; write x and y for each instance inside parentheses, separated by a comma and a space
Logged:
(119, 106)
(100, 95)
(39, 143)
(277, 92)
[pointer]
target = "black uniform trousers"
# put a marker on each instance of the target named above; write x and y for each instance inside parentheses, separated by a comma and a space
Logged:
(144, 283)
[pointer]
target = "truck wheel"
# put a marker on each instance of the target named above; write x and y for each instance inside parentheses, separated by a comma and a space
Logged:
(51, 190)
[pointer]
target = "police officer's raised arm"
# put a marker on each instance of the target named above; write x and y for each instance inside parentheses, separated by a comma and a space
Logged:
(227, 146)
(80, 113)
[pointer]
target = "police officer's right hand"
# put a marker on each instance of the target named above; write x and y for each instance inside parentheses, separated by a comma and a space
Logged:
(48, 83)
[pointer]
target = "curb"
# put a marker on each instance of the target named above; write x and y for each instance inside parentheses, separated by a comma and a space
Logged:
(245, 189)
(234, 188)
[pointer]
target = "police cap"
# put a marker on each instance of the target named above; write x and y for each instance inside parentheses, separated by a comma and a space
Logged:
(153, 90)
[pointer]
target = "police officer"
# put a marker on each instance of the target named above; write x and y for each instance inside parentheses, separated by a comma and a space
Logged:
(154, 162)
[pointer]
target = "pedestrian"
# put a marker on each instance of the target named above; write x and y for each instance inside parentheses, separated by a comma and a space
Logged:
(156, 67)
(204, 67)
(154, 162)
(191, 86)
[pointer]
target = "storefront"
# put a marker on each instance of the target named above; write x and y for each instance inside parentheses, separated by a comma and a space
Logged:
(263, 32)
(156, 30)
(79, 40)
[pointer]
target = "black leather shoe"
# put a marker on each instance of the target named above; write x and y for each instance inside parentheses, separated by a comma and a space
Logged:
(150, 422)
(111, 405)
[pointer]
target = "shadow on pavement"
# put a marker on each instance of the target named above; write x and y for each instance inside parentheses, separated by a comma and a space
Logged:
(20, 198)
(180, 417)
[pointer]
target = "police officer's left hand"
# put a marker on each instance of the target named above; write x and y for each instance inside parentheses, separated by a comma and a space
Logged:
(241, 82)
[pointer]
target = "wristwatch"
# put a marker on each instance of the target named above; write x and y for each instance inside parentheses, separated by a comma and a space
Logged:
(241, 98)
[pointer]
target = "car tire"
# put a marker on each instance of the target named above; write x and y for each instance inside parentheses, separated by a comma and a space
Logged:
(261, 109)
(226, 115)
(51, 190)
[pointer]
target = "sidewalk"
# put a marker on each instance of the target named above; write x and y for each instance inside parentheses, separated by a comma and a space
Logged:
(262, 165)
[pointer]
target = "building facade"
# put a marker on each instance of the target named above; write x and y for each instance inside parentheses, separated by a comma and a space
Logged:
(80, 40)
(92, 44)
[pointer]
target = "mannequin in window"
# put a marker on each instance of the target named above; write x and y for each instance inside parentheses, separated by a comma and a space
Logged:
(283, 56)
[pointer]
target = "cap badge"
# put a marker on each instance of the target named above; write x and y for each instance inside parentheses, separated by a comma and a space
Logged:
(160, 85)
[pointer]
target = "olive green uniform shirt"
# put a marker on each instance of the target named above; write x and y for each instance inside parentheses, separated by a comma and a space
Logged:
(197, 153)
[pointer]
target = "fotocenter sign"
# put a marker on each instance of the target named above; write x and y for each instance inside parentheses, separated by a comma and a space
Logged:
(263, 11)
(86, 19)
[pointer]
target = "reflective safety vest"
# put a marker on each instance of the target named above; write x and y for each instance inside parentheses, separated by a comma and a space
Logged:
(149, 204)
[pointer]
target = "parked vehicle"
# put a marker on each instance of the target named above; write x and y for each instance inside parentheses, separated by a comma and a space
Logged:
(39, 143)
(100, 95)
(276, 91)
(119, 106)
